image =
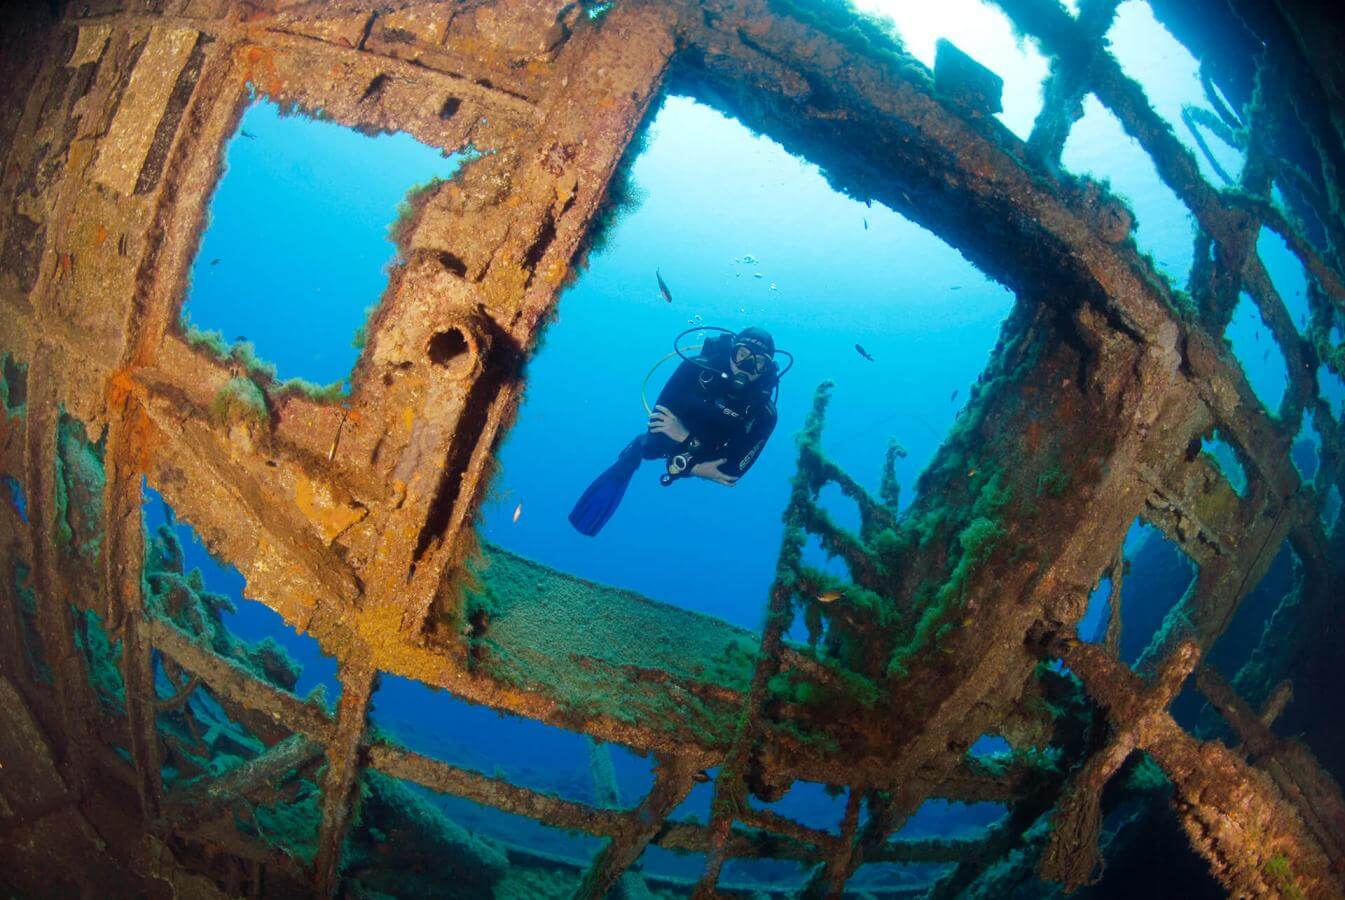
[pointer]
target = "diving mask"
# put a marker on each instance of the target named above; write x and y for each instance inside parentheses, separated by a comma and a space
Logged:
(749, 362)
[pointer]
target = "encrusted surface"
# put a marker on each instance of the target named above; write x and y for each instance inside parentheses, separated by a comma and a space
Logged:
(352, 517)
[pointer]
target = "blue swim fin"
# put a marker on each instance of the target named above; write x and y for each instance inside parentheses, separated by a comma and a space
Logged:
(604, 495)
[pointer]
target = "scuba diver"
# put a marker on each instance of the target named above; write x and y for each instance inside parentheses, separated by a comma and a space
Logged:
(711, 420)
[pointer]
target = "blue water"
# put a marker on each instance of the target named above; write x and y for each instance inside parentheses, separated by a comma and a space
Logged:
(716, 194)
(297, 249)
(16, 497)
(252, 621)
(297, 242)
(1158, 574)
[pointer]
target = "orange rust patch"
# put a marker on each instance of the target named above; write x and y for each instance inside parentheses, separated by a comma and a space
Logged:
(120, 385)
(329, 514)
(260, 70)
(141, 438)
(100, 235)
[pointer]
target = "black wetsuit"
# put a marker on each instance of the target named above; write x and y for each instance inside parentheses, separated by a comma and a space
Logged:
(723, 423)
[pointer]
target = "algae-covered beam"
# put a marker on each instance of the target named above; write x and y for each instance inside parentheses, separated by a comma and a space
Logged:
(887, 813)
(340, 793)
(498, 793)
(731, 788)
(687, 837)
(1073, 851)
(768, 821)
(55, 623)
(1066, 86)
(122, 565)
(881, 135)
(1222, 385)
(14, 546)
(1323, 272)
(829, 879)
(1295, 770)
(1235, 816)
(1059, 35)
(213, 796)
(1000, 839)
(1299, 355)
(231, 683)
(673, 779)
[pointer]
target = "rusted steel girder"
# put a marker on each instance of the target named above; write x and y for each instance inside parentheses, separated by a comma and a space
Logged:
(353, 520)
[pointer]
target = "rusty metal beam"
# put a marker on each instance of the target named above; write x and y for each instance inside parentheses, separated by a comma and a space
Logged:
(673, 779)
(213, 796)
(340, 792)
(123, 561)
(54, 619)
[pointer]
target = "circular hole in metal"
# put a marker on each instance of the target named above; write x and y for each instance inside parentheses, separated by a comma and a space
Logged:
(447, 346)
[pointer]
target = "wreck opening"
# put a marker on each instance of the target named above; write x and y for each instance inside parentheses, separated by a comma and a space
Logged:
(477, 738)
(1180, 90)
(1260, 354)
(755, 252)
(303, 228)
(1158, 577)
(186, 573)
(953, 611)
(985, 33)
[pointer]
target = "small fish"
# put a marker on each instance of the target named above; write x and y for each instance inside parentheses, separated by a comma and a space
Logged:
(215, 261)
(956, 287)
(774, 286)
(747, 259)
(866, 224)
(830, 596)
(1256, 336)
(518, 511)
(701, 777)
(864, 353)
(241, 339)
(757, 275)
(954, 395)
(247, 134)
(1265, 356)
(663, 287)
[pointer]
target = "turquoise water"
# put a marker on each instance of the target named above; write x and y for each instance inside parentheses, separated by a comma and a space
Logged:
(297, 245)
(743, 234)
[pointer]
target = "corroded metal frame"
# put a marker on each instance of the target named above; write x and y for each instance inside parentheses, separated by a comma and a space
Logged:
(354, 520)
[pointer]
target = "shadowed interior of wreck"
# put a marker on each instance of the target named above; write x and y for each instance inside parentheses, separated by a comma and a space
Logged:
(149, 750)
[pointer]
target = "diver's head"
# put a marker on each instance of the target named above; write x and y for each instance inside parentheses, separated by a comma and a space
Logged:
(752, 357)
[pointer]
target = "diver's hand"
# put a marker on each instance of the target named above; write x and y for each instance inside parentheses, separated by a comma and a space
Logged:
(662, 421)
(710, 470)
